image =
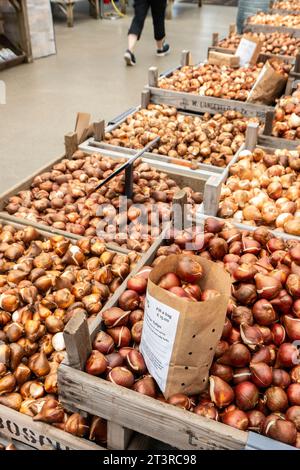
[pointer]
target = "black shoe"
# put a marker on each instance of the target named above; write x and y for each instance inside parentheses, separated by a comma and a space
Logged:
(129, 58)
(163, 51)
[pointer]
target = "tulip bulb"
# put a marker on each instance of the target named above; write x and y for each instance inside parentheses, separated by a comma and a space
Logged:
(98, 430)
(39, 364)
(220, 392)
(76, 425)
(51, 412)
(11, 400)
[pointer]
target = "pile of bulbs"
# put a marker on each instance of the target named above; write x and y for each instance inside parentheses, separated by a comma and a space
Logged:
(43, 283)
(255, 376)
(207, 139)
(287, 5)
(287, 117)
(272, 43)
(63, 198)
(185, 282)
(289, 21)
(264, 189)
(213, 80)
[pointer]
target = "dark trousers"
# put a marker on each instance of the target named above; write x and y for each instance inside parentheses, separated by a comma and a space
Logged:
(158, 9)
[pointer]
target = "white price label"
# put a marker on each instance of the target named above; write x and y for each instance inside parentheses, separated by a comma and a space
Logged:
(245, 51)
(159, 333)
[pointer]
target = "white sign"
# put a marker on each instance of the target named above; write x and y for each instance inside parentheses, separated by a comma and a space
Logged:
(246, 51)
(159, 333)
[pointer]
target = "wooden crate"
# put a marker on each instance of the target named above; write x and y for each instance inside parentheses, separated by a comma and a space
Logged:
(261, 58)
(266, 139)
(197, 103)
(97, 143)
(199, 181)
(37, 435)
(128, 411)
(204, 171)
(210, 206)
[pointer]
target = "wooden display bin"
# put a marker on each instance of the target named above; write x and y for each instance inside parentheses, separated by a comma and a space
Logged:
(203, 170)
(28, 434)
(127, 410)
(200, 181)
(263, 57)
(210, 205)
(197, 103)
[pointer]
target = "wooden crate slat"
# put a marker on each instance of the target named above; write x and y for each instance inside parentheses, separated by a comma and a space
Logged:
(22, 428)
(262, 28)
(203, 104)
(277, 142)
(263, 57)
(143, 414)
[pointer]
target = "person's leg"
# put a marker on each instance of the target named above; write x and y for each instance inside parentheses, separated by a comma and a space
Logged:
(158, 10)
(141, 8)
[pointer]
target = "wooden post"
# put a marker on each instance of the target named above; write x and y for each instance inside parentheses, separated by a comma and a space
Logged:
(215, 39)
(297, 64)
(153, 77)
(70, 14)
(71, 144)
(99, 130)
(22, 15)
(268, 123)
(169, 13)
(211, 196)
(145, 99)
(178, 208)
(117, 437)
(251, 136)
(95, 9)
(123, 7)
(186, 58)
(77, 341)
(289, 86)
(232, 29)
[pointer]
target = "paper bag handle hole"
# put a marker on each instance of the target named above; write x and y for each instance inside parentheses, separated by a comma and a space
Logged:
(213, 330)
(194, 336)
(190, 353)
(186, 367)
(182, 384)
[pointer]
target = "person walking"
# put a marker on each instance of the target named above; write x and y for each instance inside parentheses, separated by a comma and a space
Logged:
(158, 10)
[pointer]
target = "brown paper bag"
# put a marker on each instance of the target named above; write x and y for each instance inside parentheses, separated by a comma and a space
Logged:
(268, 86)
(179, 337)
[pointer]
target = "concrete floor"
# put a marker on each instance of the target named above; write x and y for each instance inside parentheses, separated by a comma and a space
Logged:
(88, 74)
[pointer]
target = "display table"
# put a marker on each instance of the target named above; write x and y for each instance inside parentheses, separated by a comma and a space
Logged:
(67, 7)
